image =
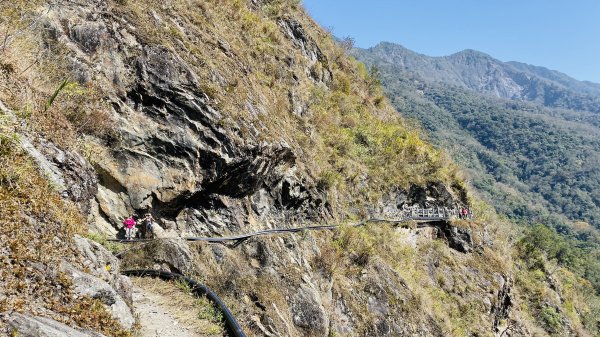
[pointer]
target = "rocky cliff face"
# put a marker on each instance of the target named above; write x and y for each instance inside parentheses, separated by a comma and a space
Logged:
(179, 151)
(173, 152)
(239, 116)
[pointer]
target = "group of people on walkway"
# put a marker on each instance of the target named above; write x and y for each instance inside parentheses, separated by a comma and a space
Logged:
(146, 224)
(465, 213)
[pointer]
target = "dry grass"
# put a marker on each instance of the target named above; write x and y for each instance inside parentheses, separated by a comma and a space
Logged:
(349, 138)
(36, 233)
(35, 224)
(442, 283)
(32, 68)
(555, 299)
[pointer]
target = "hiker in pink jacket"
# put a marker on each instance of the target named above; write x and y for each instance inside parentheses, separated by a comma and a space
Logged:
(129, 225)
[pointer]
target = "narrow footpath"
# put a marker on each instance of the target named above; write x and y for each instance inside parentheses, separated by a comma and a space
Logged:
(166, 311)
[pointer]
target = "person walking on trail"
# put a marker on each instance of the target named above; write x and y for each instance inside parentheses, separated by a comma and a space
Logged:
(129, 225)
(149, 222)
(465, 213)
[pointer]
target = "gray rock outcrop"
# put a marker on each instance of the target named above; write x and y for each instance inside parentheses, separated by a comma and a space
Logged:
(176, 152)
(31, 326)
(457, 238)
(308, 312)
(171, 151)
(88, 285)
(296, 33)
(104, 265)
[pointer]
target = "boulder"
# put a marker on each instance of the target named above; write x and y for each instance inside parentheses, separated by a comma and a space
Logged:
(79, 176)
(102, 264)
(32, 326)
(308, 313)
(70, 173)
(92, 286)
(172, 255)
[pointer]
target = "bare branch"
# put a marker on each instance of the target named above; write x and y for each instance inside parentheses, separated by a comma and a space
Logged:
(8, 38)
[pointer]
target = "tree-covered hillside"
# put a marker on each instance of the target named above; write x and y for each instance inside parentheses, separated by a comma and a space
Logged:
(534, 162)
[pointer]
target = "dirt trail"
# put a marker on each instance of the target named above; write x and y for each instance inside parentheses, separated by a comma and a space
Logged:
(166, 311)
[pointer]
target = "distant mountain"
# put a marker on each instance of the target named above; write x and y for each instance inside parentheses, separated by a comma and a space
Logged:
(528, 136)
(482, 73)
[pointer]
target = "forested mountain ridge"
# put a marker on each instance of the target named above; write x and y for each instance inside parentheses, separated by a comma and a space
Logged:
(484, 74)
(535, 161)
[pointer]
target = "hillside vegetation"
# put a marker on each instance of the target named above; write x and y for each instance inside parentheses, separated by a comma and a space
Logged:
(36, 233)
(535, 164)
(479, 72)
(325, 105)
(225, 117)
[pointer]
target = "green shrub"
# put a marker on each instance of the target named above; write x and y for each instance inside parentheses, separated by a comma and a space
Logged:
(551, 319)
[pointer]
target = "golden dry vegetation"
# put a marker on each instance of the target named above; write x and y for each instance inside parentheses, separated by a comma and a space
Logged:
(347, 137)
(347, 134)
(36, 233)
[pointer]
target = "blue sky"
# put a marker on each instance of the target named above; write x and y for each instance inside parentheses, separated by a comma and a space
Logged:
(562, 35)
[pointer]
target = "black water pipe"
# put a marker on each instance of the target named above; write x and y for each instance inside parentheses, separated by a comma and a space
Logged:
(231, 324)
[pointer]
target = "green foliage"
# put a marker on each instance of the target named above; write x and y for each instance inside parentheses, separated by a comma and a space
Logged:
(532, 162)
(55, 94)
(551, 319)
(183, 286)
(541, 243)
(381, 152)
(374, 78)
(544, 252)
(113, 247)
(207, 311)
(536, 164)
(535, 161)
(357, 242)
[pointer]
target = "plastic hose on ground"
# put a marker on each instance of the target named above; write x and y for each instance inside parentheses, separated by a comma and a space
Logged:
(233, 327)
(242, 237)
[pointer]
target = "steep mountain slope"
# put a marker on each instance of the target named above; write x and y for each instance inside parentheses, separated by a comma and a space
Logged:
(534, 162)
(482, 73)
(229, 117)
